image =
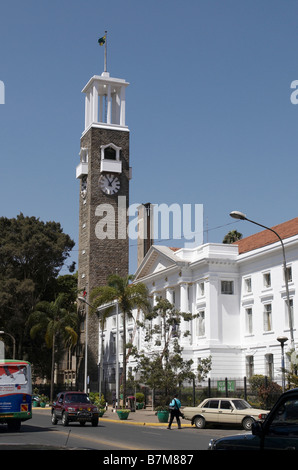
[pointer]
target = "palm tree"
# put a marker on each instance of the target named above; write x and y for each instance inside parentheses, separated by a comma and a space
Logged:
(232, 236)
(53, 319)
(128, 296)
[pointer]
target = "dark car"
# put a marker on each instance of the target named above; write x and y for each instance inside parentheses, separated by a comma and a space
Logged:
(279, 430)
(74, 406)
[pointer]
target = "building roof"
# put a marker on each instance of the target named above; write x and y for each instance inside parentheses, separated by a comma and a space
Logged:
(266, 237)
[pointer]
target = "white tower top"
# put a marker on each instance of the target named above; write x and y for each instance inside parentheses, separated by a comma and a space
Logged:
(105, 102)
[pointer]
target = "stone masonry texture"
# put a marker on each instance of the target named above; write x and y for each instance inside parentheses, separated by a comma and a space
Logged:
(99, 258)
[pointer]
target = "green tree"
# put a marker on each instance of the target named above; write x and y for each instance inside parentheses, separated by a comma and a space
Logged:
(204, 368)
(32, 254)
(164, 369)
(265, 389)
(128, 296)
(57, 324)
(232, 236)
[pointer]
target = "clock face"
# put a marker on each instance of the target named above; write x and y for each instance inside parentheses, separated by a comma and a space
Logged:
(109, 184)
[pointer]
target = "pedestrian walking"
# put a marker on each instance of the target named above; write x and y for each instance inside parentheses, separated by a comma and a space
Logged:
(175, 406)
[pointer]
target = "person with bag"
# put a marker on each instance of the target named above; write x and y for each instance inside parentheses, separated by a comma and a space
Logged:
(175, 412)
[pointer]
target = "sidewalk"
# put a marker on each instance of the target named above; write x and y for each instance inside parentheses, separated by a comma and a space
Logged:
(141, 418)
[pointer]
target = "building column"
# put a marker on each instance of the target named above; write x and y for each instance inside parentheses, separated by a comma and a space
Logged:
(95, 104)
(184, 307)
(109, 106)
(212, 320)
(170, 295)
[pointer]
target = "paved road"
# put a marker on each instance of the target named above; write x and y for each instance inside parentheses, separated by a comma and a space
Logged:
(111, 435)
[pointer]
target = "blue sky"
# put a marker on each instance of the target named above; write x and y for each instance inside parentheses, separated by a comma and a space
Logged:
(208, 107)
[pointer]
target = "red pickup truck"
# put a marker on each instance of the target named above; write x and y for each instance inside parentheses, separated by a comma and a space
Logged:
(74, 406)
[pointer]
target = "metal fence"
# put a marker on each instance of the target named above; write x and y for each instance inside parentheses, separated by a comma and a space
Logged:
(264, 396)
(192, 394)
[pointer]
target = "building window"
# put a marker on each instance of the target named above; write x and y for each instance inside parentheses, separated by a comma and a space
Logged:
(269, 365)
(289, 273)
(84, 155)
(201, 289)
(227, 287)
(267, 317)
(248, 321)
(249, 366)
(201, 323)
(287, 313)
(267, 279)
(113, 344)
(247, 285)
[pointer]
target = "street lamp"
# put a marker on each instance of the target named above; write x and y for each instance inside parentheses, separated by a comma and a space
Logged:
(241, 216)
(13, 342)
(117, 355)
(282, 340)
(82, 299)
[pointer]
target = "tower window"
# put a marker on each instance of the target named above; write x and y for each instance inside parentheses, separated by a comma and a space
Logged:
(110, 158)
(110, 153)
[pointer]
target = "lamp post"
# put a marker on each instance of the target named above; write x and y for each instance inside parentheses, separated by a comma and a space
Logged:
(82, 299)
(282, 340)
(241, 216)
(13, 343)
(117, 355)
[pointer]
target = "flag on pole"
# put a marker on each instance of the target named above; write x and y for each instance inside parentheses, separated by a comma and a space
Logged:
(102, 41)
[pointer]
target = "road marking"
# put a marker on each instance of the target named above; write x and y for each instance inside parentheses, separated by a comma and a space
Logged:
(117, 445)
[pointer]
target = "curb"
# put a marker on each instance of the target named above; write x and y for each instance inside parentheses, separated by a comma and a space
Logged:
(125, 421)
(141, 423)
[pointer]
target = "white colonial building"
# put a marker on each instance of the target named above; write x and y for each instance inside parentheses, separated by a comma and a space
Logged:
(237, 293)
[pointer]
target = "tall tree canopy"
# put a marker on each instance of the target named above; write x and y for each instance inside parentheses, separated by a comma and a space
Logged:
(232, 236)
(161, 365)
(32, 254)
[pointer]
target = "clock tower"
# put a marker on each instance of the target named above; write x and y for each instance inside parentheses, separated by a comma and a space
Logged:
(104, 175)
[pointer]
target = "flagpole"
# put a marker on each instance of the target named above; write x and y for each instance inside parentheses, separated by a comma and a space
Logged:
(105, 67)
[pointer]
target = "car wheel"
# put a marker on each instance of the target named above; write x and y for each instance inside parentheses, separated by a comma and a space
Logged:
(247, 423)
(94, 422)
(14, 425)
(54, 418)
(199, 422)
(64, 419)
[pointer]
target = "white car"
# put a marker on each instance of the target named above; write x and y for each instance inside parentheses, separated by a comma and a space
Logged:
(223, 411)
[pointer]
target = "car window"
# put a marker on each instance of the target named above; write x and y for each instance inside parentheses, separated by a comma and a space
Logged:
(285, 420)
(225, 405)
(212, 404)
(287, 413)
(241, 404)
(76, 398)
